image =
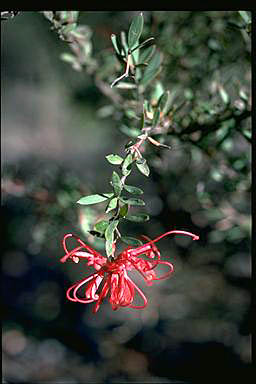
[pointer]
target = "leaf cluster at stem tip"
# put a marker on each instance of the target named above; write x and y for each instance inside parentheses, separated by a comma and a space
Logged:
(143, 64)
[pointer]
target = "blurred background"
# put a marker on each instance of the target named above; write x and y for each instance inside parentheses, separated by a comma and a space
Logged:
(57, 127)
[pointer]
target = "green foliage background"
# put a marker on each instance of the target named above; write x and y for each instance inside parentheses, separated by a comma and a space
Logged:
(58, 124)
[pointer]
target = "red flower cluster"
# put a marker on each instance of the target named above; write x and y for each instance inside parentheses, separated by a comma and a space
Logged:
(112, 276)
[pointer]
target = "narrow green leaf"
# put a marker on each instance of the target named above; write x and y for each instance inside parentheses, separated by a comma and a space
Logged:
(112, 205)
(143, 167)
(133, 190)
(124, 43)
(109, 232)
(163, 101)
(126, 166)
(114, 159)
(114, 42)
(138, 218)
(135, 30)
(124, 210)
(132, 201)
(101, 226)
(131, 240)
(92, 199)
(156, 117)
(116, 183)
(152, 69)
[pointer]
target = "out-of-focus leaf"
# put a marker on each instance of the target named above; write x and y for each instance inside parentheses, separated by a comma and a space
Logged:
(131, 132)
(94, 199)
(68, 57)
(245, 16)
(132, 201)
(163, 101)
(146, 54)
(48, 15)
(138, 218)
(116, 183)
(224, 95)
(114, 159)
(135, 30)
(133, 190)
(243, 95)
(188, 93)
(123, 85)
(131, 240)
(156, 117)
(152, 70)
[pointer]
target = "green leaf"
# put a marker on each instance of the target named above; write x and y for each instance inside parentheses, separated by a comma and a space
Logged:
(112, 204)
(149, 41)
(101, 226)
(123, 85)
(156, 117)
(146, 54)
(152, 69)
(94, 199)
(109, 247)
(163, 101)
(143, 167)
(224, 95)
(131, 132)
(126, 167)
(116, 183)
(246, 17)
(138, 218)
(132, 201)
(124, 43)
(131, 240)
(109, 232)
(134, 190)
(123, 210)
(114, 159)
(115, 44)
(68, 57)
(135, 30)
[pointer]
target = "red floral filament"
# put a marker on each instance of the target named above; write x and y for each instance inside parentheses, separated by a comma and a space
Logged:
(112, 277)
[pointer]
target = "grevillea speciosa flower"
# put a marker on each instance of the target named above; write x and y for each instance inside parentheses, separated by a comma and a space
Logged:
(111, 276)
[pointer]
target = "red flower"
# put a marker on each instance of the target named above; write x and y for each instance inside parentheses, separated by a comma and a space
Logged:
(112, 277)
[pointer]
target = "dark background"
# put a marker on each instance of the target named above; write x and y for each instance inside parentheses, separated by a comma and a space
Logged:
(196, 327)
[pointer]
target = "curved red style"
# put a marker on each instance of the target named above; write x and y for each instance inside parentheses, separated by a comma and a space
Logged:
(111, 277)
